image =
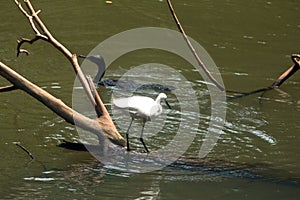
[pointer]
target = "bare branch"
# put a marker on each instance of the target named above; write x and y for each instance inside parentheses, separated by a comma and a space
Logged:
(296, 59)
(8, 88)
(200, 63)
(24, 149)
(30, 18)
(22, 9)
(94, 93)
(56, 105)
(289, 72)
(276, 84)
(25, 40)
(34, 18)
(104, 125)
(47, 36)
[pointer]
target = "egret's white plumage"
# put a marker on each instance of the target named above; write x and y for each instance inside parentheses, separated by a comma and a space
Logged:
(141, 107)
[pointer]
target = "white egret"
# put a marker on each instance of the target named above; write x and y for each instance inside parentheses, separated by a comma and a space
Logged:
(141, 107)
(126, 84)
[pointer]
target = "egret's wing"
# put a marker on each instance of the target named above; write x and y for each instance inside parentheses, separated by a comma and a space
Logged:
(139, 106)
(140, 103)
(155, 110)
(137, 102)
(121, 103)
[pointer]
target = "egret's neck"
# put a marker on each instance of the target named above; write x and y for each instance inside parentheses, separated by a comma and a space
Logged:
(158, 99)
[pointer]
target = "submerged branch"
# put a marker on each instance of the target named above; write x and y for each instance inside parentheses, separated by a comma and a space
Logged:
(24, 149)
(276, 84)
(288, 73)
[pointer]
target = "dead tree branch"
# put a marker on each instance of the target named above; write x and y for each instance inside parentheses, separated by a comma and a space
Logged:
(200, 63)
(47, 36)
(8, 88)
(24, 149)
(103, 125)
(288, 73)
(61, 109)
(25, 40)
(276, 84)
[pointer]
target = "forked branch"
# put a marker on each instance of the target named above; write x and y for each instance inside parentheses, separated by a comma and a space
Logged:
(25, 40)
(103, 126)
(36, 24)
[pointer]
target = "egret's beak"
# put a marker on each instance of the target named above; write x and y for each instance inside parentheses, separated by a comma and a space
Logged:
(168, 104)
(81, 56)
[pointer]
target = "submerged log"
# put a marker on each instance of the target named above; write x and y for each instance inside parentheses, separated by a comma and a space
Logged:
(203, 168)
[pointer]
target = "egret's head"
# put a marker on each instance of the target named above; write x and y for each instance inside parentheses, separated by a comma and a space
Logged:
(164, 97)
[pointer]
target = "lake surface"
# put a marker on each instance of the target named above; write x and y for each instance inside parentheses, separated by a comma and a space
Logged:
(250, 42)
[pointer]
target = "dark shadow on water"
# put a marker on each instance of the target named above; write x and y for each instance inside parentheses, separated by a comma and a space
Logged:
(208, 169)
(132, 86)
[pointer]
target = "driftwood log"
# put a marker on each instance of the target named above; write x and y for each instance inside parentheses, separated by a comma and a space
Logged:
(103, 126)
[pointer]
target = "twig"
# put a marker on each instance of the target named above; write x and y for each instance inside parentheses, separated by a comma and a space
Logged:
(24, 149)
(200, 63)
(288, 73)
(8, 88)
(35, 29)
(25, 40)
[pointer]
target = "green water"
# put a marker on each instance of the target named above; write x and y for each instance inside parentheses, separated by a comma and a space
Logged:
(250, 41)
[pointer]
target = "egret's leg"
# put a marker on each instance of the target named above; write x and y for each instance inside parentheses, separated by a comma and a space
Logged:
(141, 138)
(127, 132)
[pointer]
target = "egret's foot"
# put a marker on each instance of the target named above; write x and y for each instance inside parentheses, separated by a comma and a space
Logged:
(128, 149)
(141, 139)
